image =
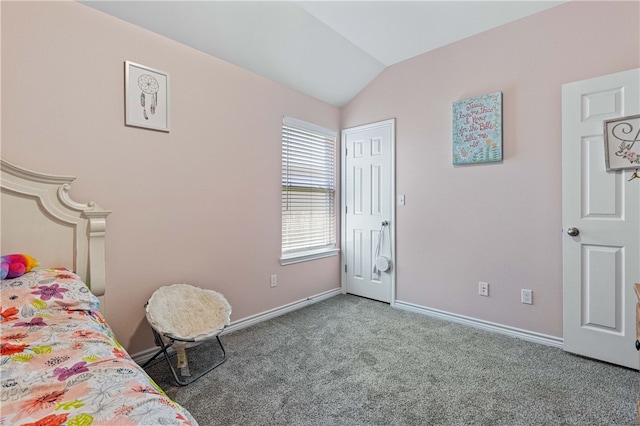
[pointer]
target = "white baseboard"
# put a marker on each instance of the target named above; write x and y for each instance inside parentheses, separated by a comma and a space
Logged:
(531, 336)
(143, 356)
(272, 313)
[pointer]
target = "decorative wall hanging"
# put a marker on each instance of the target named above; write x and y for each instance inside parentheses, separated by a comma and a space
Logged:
(622, 143)
(146, 97)
(477, 129)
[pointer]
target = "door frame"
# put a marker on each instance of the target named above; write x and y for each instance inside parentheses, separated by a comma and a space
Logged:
(343, 201)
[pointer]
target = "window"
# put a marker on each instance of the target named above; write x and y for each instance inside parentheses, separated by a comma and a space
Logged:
(308, 191)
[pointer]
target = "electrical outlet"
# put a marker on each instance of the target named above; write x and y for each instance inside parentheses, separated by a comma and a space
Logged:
(483, 289)
(526, 296)
(274, 280)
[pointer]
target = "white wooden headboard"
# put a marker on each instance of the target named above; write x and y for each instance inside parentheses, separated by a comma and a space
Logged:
(40, 219)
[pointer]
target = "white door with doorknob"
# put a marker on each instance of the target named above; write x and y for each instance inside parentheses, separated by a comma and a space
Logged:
(601, 223)
(368, 229)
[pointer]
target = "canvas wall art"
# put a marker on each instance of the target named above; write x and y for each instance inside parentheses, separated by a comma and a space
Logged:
(477, 129)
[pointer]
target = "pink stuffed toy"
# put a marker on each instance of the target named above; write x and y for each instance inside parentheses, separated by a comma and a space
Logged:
(15, 265)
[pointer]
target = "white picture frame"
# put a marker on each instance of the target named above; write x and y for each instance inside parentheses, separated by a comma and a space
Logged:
(622, 143)
(146, 97)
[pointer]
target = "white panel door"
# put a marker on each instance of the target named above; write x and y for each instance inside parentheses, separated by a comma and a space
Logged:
(368, 202)
(602, 262)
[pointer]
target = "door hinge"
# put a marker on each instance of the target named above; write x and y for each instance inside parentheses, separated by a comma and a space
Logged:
(346, 209)
(345, 267)
(346, 152)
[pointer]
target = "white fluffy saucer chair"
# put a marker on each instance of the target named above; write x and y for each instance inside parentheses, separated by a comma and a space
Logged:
(183, 316)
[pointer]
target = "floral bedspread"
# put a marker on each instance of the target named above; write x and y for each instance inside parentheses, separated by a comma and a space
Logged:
(60, 363)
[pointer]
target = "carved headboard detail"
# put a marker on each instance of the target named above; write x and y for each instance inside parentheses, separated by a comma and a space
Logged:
(40, 219)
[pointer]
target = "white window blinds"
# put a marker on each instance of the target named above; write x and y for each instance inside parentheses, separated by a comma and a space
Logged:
(308, 189)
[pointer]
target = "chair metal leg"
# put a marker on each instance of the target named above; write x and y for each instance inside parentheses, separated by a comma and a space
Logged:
(159, 342)
(192, 379)
(176, 376)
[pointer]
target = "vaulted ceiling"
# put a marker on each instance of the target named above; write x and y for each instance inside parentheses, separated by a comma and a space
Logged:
(328, 49)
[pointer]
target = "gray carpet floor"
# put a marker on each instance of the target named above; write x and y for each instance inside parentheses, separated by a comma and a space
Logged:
(354, 361)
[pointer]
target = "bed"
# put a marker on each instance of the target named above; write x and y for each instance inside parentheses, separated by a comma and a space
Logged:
(60, 362)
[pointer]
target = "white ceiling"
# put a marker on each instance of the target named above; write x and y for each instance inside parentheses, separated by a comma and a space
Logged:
(328, 49)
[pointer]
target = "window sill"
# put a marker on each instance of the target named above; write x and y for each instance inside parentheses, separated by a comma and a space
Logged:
(308, 255)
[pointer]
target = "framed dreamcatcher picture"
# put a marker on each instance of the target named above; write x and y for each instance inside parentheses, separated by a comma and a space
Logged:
(146, 97)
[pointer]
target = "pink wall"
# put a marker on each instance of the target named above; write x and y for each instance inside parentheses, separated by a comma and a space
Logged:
(200, 204)
(499, 223)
